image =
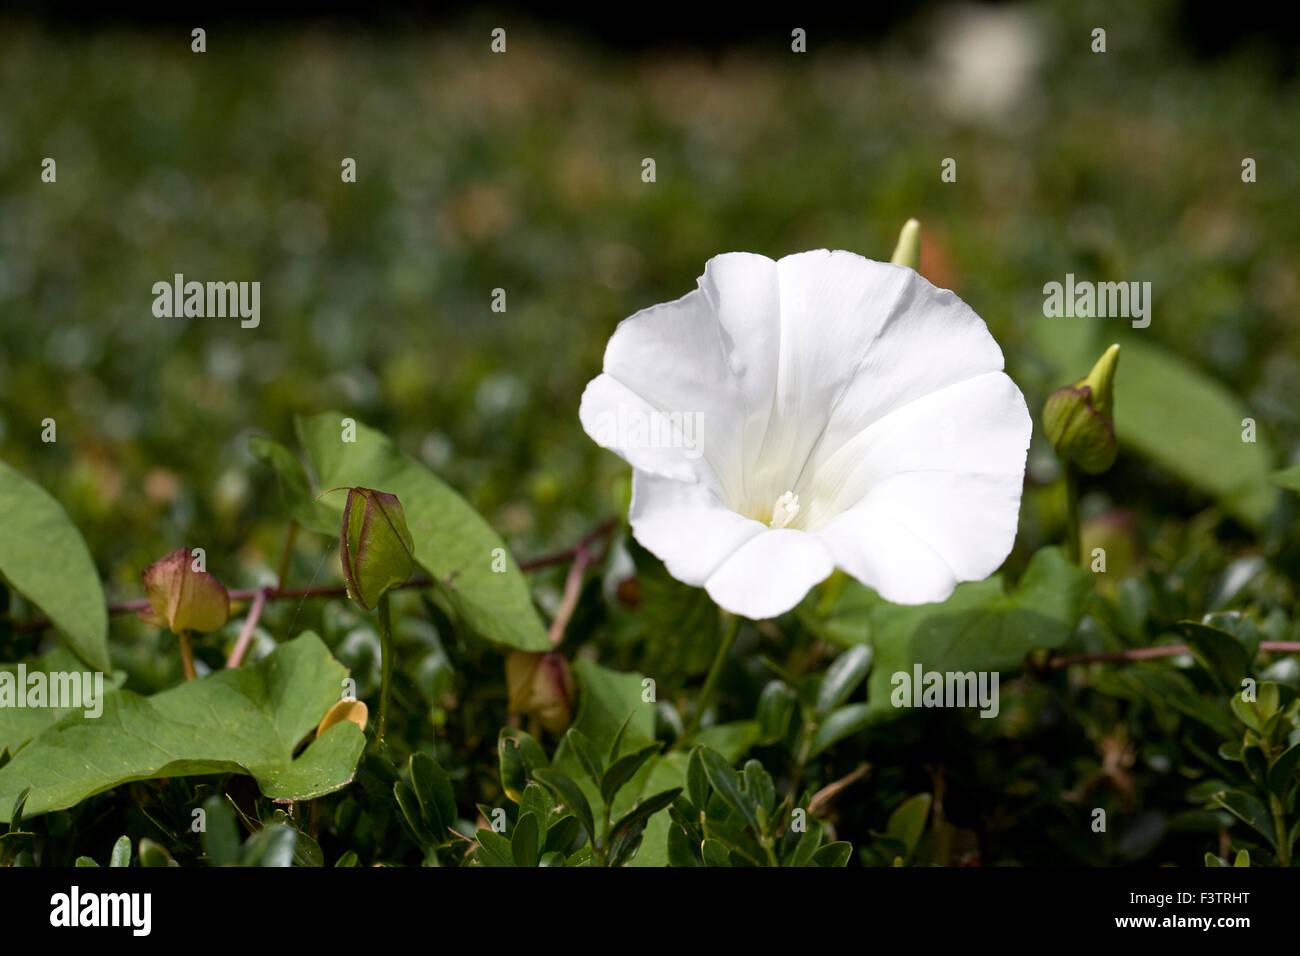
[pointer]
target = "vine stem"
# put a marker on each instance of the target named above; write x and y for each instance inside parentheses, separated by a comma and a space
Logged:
(1161, 650)
(1072, 513)
(1279, 826)
(246, 634)
(572, 591)
(385, 663)
(280, 593)
(187, 655)
(711, 681)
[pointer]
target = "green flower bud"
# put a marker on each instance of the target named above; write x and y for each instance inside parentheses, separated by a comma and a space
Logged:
(908, 251)
(182, 598)
(375, 545)
(1078, 418)
(540, 686)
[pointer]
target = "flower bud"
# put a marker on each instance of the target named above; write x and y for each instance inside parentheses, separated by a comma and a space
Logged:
(1078, 418)
(182, 598)
(908, 251)
(375, 545)
(540, 686)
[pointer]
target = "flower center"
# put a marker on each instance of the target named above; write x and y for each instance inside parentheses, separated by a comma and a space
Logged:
(783, 512)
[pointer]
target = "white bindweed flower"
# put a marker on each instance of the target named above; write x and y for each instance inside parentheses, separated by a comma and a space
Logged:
(846, 413)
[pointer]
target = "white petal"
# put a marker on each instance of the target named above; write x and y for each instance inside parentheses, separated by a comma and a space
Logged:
(709, 353)
(942, 478)
(978, 426)
(686, 526)
(770, 573)
(859, 340)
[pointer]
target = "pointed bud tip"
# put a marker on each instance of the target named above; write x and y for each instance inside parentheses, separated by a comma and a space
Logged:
(908, 251)
(1078, 419)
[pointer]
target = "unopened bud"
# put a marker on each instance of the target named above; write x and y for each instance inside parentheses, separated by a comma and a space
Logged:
(181, 598)
(1078, 419)
(540, 686)
(375, 545)
(908, 251)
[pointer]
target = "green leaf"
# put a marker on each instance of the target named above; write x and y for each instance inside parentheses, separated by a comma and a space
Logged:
(623, 769)
(845, 673)
(154, 854)
(1287, 478)
(727, 784)
(493, 849)
(697, 781)
(569, 794)
(845, 722)
(979, 628)
(295, 488)
(833, 854)
(732, 739)
(220, 834)
(1190, 425)
(807, 845)
(1248, 809)
(519, 755)
(525, 841)
(1222, 654)
(681, 851)
(85, 861)
(715, 853)
(1282, 773)
(642, 811)
(452, 542)
(43, 557)
(409, 805)
(273, 845)
(246, 720)
(434, 793)
(586, 753)
(20, 724)
(907, 822)
(121, 854)
(776, 705)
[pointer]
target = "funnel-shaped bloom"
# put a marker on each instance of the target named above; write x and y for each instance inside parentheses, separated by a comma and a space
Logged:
(181, 598)
(787, 418)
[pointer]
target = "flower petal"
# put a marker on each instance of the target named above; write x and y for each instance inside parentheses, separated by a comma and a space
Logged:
(770, 573)
(686, 526)
(710, 353)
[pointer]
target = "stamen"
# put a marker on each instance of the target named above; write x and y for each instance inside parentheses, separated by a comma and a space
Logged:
(787, 506)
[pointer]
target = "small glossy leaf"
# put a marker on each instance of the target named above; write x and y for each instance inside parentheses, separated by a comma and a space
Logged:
(434, 792)
(586, 753)
(845, 673)
(121, 854)
(728, 786)
(623, 770)
(493, 849)
(833, 854)
(907, 822)
(525, 841)
(714, 853)
(570, 796)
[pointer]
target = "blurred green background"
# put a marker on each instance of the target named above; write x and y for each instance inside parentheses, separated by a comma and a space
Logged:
(522, 171)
